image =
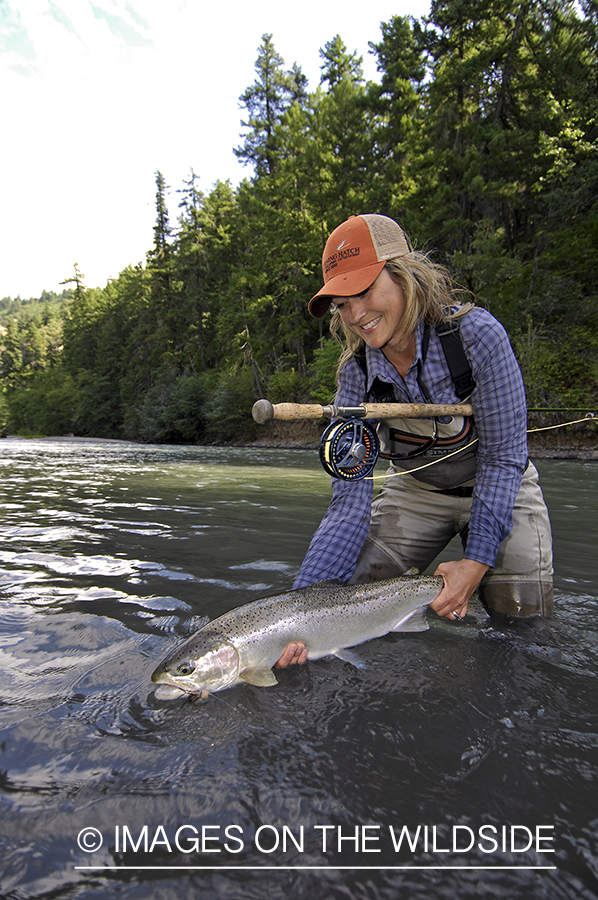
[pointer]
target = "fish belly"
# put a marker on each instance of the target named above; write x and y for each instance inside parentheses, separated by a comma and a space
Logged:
(325, 631)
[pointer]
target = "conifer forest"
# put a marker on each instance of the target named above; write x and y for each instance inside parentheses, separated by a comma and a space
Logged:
(479, 137)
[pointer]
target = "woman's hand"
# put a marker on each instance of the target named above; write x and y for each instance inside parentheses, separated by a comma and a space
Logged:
(461, 578)
(293, 653)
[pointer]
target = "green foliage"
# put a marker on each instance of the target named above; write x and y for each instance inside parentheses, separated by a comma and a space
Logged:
(175, 413)
(4, 415)
(228, 410)
(480, 137)
(44, 406)
(265, 102)
(324, 369)
(286, 385)
(49, 306)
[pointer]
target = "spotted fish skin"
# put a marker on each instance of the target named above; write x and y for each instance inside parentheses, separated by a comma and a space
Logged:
(244, 644)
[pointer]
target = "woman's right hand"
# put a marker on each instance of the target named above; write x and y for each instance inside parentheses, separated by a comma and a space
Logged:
(295, 652)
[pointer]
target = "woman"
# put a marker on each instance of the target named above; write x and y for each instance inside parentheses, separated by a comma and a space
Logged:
(408, 340)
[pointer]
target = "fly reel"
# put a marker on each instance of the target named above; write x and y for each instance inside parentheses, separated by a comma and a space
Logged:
(349, 449)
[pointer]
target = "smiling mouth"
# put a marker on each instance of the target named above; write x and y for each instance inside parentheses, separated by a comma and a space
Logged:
(371, 325)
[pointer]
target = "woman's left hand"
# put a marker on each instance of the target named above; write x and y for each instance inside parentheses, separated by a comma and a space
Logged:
(461, 578)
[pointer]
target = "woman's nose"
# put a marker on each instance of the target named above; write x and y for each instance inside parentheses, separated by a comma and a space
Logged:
(356, 310)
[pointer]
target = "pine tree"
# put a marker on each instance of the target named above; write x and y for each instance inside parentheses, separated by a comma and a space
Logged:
(335, 146)
(79, 330)
(11, 356)
(166, 316)
(265, 101)
(396, 124)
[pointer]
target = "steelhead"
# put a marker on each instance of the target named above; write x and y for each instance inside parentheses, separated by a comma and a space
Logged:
(244, 644)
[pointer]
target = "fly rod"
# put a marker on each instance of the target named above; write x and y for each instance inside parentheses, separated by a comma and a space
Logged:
(263, 411)
(349, 447)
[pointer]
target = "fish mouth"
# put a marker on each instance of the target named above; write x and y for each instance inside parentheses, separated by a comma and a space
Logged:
(170, 692)
(163, 680)
(159, 676)
(167, 689)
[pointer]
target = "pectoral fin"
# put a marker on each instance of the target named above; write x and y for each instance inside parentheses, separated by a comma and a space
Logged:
(415, 621)
(259, 677)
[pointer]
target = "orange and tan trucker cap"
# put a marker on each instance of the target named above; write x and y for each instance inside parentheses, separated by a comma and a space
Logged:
(354, 255)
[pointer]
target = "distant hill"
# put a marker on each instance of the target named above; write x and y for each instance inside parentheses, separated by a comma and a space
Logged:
(19, 309)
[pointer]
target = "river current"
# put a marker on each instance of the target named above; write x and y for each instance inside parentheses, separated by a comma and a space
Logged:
(459, 762)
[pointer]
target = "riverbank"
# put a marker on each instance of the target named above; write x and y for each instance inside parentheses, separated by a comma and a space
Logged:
(573, 442)
(578, 441)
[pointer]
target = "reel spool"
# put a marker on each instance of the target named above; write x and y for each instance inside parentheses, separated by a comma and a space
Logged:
(349, 449)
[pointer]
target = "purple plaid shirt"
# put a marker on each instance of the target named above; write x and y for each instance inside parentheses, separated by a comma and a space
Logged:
(500, 414)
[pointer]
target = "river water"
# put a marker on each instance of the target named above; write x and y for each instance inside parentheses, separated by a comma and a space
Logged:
(460, 762)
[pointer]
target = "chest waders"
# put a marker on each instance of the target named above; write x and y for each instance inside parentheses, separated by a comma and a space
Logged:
(519, 585)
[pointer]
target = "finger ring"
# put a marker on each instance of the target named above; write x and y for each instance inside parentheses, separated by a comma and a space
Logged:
(457, 616)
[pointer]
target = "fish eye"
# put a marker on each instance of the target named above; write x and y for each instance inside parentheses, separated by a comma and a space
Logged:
(185, 668)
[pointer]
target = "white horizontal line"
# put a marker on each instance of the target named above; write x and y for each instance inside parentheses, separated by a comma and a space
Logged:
(294, 868)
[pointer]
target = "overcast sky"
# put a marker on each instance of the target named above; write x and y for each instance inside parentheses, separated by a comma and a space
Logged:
(99, 94)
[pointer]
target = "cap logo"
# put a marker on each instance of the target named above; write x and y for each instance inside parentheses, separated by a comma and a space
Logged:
(341, 245)
(332, 261)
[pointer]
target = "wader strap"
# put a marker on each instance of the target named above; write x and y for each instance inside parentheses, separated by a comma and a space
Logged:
(450, 338)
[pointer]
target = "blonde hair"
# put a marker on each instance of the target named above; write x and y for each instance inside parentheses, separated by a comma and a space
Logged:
(430, 296)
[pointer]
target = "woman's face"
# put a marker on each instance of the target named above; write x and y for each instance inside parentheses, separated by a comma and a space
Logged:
(376, 314)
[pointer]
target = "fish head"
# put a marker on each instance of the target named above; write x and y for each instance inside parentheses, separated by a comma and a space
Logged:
(208, 661)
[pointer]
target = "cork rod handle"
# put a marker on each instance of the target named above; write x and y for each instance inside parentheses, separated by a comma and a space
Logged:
(264, 411)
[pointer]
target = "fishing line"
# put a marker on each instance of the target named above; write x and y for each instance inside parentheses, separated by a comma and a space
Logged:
(587, 418)
(425, 466)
